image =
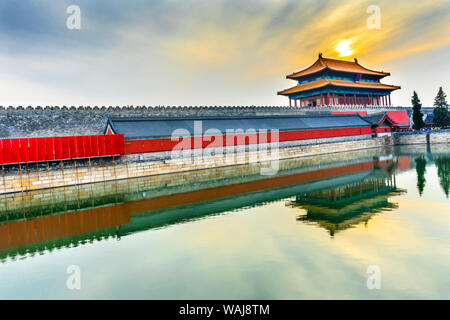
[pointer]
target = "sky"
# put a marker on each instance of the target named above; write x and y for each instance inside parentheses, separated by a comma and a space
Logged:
(211, 52)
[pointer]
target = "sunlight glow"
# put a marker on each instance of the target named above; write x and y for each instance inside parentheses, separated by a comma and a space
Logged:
(344, 49)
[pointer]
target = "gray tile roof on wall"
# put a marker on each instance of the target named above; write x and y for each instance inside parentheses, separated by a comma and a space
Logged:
(374, 118)
(147, 128)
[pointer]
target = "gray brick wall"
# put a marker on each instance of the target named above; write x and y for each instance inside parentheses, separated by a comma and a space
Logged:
(63, 121)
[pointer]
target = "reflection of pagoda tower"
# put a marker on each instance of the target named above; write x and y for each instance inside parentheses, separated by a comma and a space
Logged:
(345, 206)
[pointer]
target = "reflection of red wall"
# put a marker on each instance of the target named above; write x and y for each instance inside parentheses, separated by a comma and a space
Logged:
(19, 233)
(158, 145)
(242, 188)
(384, 163)
(42, 229)
(403, 163)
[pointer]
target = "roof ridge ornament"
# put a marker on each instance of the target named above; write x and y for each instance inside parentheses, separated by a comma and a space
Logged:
(320, 55)
(356, 60)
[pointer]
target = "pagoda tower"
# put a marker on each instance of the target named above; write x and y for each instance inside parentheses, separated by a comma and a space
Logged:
(331, 82)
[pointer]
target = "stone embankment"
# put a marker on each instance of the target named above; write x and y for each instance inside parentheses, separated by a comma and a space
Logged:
(422, 137)
(27, 178)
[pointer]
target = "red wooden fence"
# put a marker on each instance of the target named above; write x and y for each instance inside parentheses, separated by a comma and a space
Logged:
(22, 150)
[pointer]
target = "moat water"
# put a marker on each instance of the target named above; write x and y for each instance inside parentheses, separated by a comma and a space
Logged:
(370, 225)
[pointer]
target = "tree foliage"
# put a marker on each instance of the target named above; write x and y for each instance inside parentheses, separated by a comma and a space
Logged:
(443, 170)
(421, 164)
(440, 112)
(418, 122)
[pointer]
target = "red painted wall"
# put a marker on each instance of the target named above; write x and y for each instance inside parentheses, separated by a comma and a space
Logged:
(158, 145)
(76, 147)
(24, 150)
(382, 129)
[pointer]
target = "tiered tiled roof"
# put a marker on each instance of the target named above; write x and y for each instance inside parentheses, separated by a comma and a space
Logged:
(337, 83)
(378, 118)
(336, 65)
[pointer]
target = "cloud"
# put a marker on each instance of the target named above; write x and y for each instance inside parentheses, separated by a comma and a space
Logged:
(204, 52)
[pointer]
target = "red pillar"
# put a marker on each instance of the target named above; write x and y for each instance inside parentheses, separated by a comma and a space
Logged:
(295, 102)
(354, 97)
(290, 102)
(345, 100)
(389, 99)
(368, 99)
(321, 100)
(328, 98)
(334, 101)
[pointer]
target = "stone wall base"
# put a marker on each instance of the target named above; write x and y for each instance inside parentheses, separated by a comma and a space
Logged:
(441, 136)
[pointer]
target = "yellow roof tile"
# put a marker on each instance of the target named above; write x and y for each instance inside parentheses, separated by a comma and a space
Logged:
(338, 83)
(336, 65)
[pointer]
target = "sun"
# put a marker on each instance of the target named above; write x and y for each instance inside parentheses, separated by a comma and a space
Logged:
(344, 49)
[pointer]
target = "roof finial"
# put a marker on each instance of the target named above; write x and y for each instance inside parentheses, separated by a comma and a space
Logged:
(356, 60)
(320, 55)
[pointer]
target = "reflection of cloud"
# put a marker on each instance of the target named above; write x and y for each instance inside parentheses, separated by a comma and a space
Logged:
(227, 51)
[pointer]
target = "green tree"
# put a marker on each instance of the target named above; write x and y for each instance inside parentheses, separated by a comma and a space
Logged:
(417, 114)
(421, 164)
(440, 112)
(443, 170)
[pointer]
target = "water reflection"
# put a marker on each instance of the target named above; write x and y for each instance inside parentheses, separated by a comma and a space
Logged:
(335, 192)
(443, 169)
(421, 164)
(342, 207)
